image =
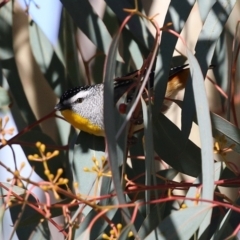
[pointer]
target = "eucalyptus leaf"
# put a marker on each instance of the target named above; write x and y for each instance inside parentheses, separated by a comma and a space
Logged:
(6, 50)
(151, 222)
(210, 33)
(16, 90)
(100, 225)
(83, 152)
(35, 217)
(181, 224)
(125, 233)
(89, 22)
(115, 155)
(183, 156)
(5, 100)
(224, 228)
(136, 25)
(29, 139)
(179, 12)
(1, 75)
(223, 127)
(205, 130)
(19, 214)
(15, 189)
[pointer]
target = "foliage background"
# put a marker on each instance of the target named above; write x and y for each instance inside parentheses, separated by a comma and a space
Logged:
(34, 72)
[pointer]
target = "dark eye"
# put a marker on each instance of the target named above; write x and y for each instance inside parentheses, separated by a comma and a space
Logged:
(79, 100)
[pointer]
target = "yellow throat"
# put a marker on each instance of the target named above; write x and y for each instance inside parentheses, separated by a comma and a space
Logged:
(82, 123)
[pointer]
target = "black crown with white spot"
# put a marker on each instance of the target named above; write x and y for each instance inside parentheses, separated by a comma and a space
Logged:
(73, 91)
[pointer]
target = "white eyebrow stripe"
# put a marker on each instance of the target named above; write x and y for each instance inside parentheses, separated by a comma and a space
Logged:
(81, 94)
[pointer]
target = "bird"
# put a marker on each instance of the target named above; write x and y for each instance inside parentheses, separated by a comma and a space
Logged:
(82, 106)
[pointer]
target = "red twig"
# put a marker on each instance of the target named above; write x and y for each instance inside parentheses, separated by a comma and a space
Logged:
(28, 128)
(3, 3)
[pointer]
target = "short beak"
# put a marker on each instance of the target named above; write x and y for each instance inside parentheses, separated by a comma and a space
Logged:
(58, 107)
(61, 107)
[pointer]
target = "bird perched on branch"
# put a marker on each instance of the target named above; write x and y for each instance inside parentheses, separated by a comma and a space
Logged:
(82, 106)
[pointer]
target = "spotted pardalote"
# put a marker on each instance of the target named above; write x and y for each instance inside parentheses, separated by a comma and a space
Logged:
(82, 106)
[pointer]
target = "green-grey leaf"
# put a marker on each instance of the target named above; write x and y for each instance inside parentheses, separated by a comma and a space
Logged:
(89, 22)
(115, 155)
(151, 222)
(17, 211)
(223, 127)
(100, 225)
(178, 14)
(136, 25)
(29, 140)
(205, 130)
(81, 154)
(35, 216)
(15, 189)
(223, 227)
(181, 224)
(183, 156)
(6, 50)
(20, 102)
(212, 28)
(4, 98)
